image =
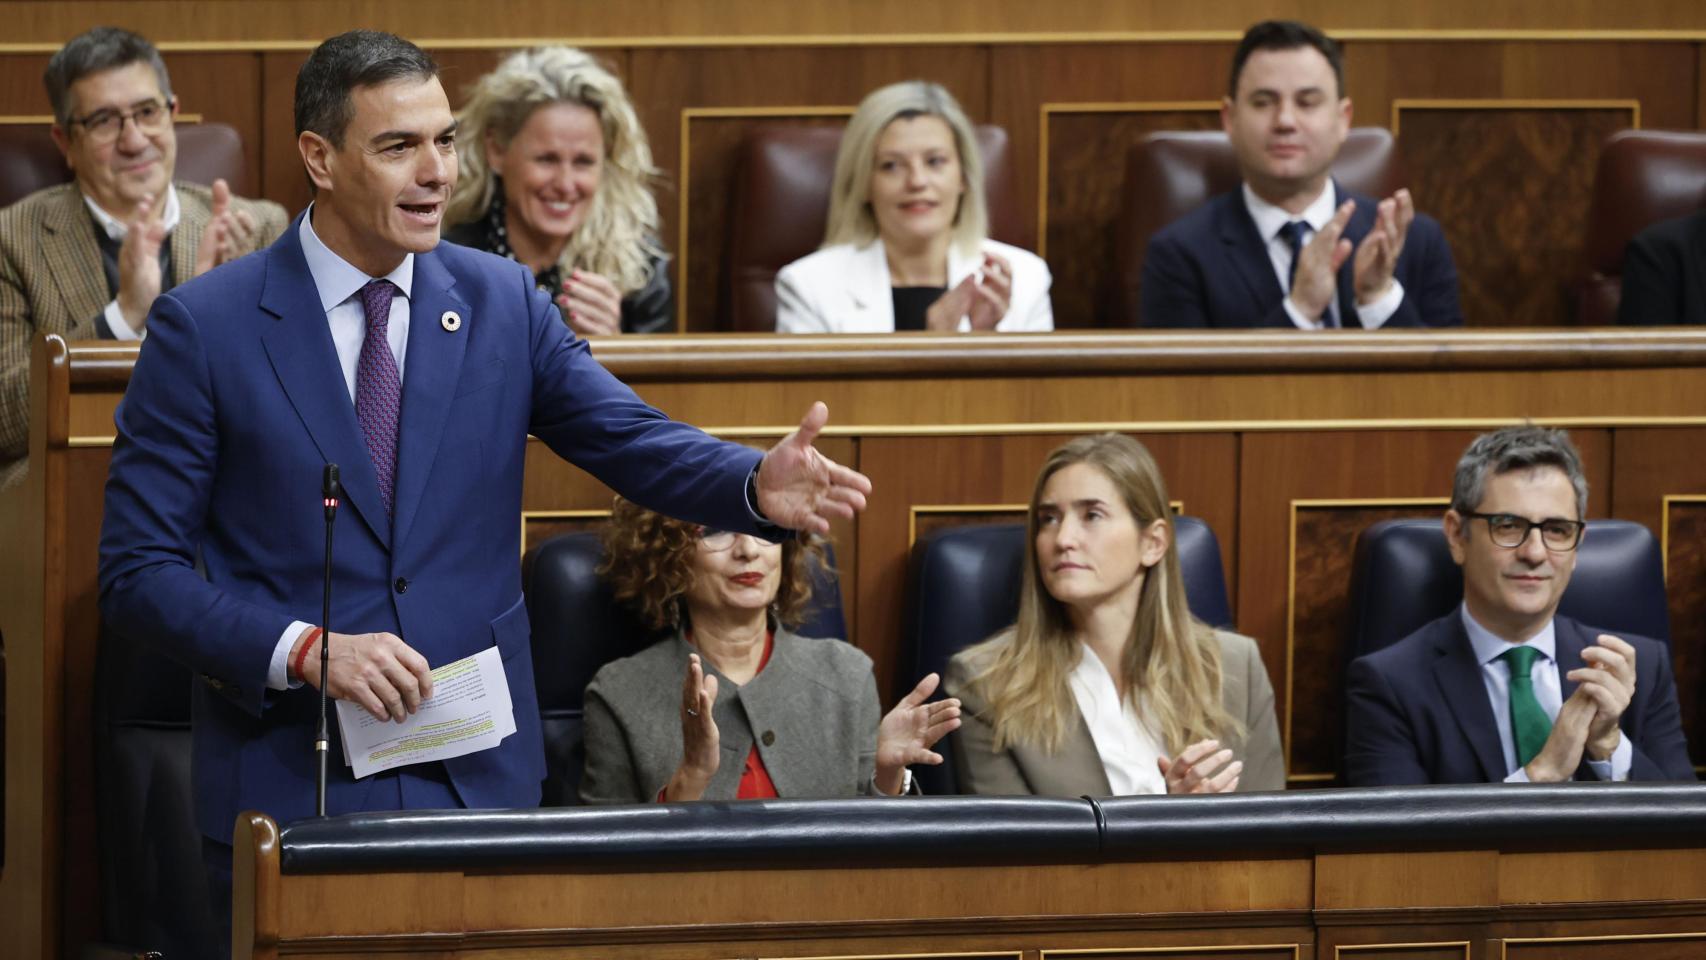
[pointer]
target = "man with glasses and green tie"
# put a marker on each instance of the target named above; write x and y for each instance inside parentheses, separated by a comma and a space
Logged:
(86, 259)
(1502, 688)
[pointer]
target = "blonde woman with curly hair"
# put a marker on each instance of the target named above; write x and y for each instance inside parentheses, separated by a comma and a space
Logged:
(556, 174)
(735, 705)
(1106, 685)
(907, 245)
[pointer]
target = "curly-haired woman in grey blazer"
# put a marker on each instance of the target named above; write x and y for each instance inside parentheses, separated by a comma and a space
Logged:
(735, 706)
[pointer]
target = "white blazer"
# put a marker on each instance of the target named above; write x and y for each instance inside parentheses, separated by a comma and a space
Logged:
(845, 289)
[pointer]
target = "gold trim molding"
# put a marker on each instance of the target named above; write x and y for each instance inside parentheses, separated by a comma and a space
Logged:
(1342, 949)
(583, 514)
(1664, 526)
(1505, 944)
(1071, 954)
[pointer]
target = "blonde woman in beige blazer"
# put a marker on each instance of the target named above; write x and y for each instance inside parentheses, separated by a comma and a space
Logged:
(1106, 685)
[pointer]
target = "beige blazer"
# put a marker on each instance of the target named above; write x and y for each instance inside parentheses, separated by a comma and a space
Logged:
(1076, 769)
(51, 281)
(846, 289)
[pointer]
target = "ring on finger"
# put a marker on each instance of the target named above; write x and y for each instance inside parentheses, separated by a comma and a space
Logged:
(692, 712)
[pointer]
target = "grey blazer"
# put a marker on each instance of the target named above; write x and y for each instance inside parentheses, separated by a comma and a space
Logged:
(813, 713)
(1076, 769)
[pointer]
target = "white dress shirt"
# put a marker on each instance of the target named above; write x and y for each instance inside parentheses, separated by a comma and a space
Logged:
(1128, 747)
(117, 230)
(339, 284)
(1548, 690)
(1270, 219)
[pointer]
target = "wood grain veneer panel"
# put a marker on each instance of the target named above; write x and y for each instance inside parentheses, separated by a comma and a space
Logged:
(1653, 466)
(1620, 876)
(1085, 160)
(910, 471)
(21, 90)
(1408, 879)
(1325, 537)
(1608, 947)
(664, 82)
(1491, 175)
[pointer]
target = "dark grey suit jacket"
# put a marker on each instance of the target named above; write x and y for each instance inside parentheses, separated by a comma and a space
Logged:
(813, 712)
(1076, 768)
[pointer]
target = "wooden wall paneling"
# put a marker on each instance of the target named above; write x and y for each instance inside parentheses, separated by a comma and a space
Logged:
(911, 471)
(1659, 482)
(282, 177)
(1431, 942)
(1508, 176)
(1079, 208)
(1657, 946)
(1022, 78)
(666, 82)
(21, 90)
(223, 88)
(85, 483)
(1277, 470)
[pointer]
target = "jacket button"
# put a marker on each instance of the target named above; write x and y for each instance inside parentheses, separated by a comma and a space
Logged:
(769, 737)
(402, 585)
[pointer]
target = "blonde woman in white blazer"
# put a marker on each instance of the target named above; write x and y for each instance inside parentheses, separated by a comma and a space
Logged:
(907, 244)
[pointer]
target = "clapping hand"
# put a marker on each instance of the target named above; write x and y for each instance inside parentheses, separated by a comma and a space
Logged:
(983, 296)
(700, 744)
(800, 488)
(229, 233)
(909, 731)
(1201, 767)
(1315, 281)
(593, 304)
(1377, 255)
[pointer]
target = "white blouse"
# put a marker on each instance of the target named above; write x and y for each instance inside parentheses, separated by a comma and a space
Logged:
(1126, 743)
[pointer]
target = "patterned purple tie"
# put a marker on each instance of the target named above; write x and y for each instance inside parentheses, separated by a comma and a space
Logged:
(378, 389)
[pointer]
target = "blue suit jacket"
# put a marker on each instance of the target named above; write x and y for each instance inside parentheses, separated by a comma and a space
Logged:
(236, 402)
(1210, 268)
(1417, 711)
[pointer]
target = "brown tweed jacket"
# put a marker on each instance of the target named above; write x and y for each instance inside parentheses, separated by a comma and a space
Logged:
(51, 281)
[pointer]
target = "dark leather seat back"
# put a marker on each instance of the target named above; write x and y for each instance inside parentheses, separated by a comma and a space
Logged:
(1172, 172)
(578, 627)
(1403, 577)
(779, 208)
(154, 892)
(29, 160)
(965, 588)
(1644, 177)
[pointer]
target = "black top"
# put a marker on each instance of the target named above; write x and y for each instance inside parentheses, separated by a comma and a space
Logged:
(912, 303)
(650, 309)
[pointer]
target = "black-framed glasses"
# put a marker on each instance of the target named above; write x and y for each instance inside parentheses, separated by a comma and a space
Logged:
(105, 126)
(1510, 530)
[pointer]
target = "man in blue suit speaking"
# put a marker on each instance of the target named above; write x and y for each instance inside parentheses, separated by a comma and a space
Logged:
(420, 369)
(1291, 248)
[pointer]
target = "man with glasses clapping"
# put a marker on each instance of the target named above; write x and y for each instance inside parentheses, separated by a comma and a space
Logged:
(86, 259)
(1561, 700)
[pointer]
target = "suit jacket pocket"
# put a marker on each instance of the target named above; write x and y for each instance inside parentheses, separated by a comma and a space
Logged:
(480, 377)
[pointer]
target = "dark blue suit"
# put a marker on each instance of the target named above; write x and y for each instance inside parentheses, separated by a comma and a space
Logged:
(1418, 712)
(236, 402)
(1210, 268)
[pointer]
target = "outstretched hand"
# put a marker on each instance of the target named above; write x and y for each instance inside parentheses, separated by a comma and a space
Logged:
(909, 731)
(800, 488)
(700, 742)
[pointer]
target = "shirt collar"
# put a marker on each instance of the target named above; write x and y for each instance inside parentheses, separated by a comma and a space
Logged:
(116, 229)
(1269, 218)
(335, 278)
(1489, 647)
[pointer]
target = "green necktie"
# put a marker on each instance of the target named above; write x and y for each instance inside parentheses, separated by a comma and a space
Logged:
(1529, 725)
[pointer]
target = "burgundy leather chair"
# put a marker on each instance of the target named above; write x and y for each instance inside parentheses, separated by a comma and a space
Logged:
(1644, 177)
(779, 206)
(1172, 172)
(29, 160)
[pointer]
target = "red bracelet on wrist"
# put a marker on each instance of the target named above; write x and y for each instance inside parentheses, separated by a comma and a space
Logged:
(302, 654)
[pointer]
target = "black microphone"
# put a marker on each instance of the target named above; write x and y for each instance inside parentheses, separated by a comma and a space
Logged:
(330, 492)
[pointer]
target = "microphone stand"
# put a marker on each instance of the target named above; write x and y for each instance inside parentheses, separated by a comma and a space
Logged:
(330, 490)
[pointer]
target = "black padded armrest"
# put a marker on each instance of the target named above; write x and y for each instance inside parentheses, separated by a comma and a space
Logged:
(892, 831)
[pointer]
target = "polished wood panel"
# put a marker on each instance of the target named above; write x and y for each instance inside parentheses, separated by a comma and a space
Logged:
(1084, 157)
(1324, 535)
(1686, 946)
(1658, 482)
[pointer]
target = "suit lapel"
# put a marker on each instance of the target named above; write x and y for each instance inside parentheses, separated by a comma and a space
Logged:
(68, 243)
(1361, 222)
(1568, 641)
(868, 289)
(1248, 253)
(433, 365)
(1465, 694)
(303, 357)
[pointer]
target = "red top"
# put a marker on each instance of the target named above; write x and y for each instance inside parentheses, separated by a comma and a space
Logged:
(755, 782)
